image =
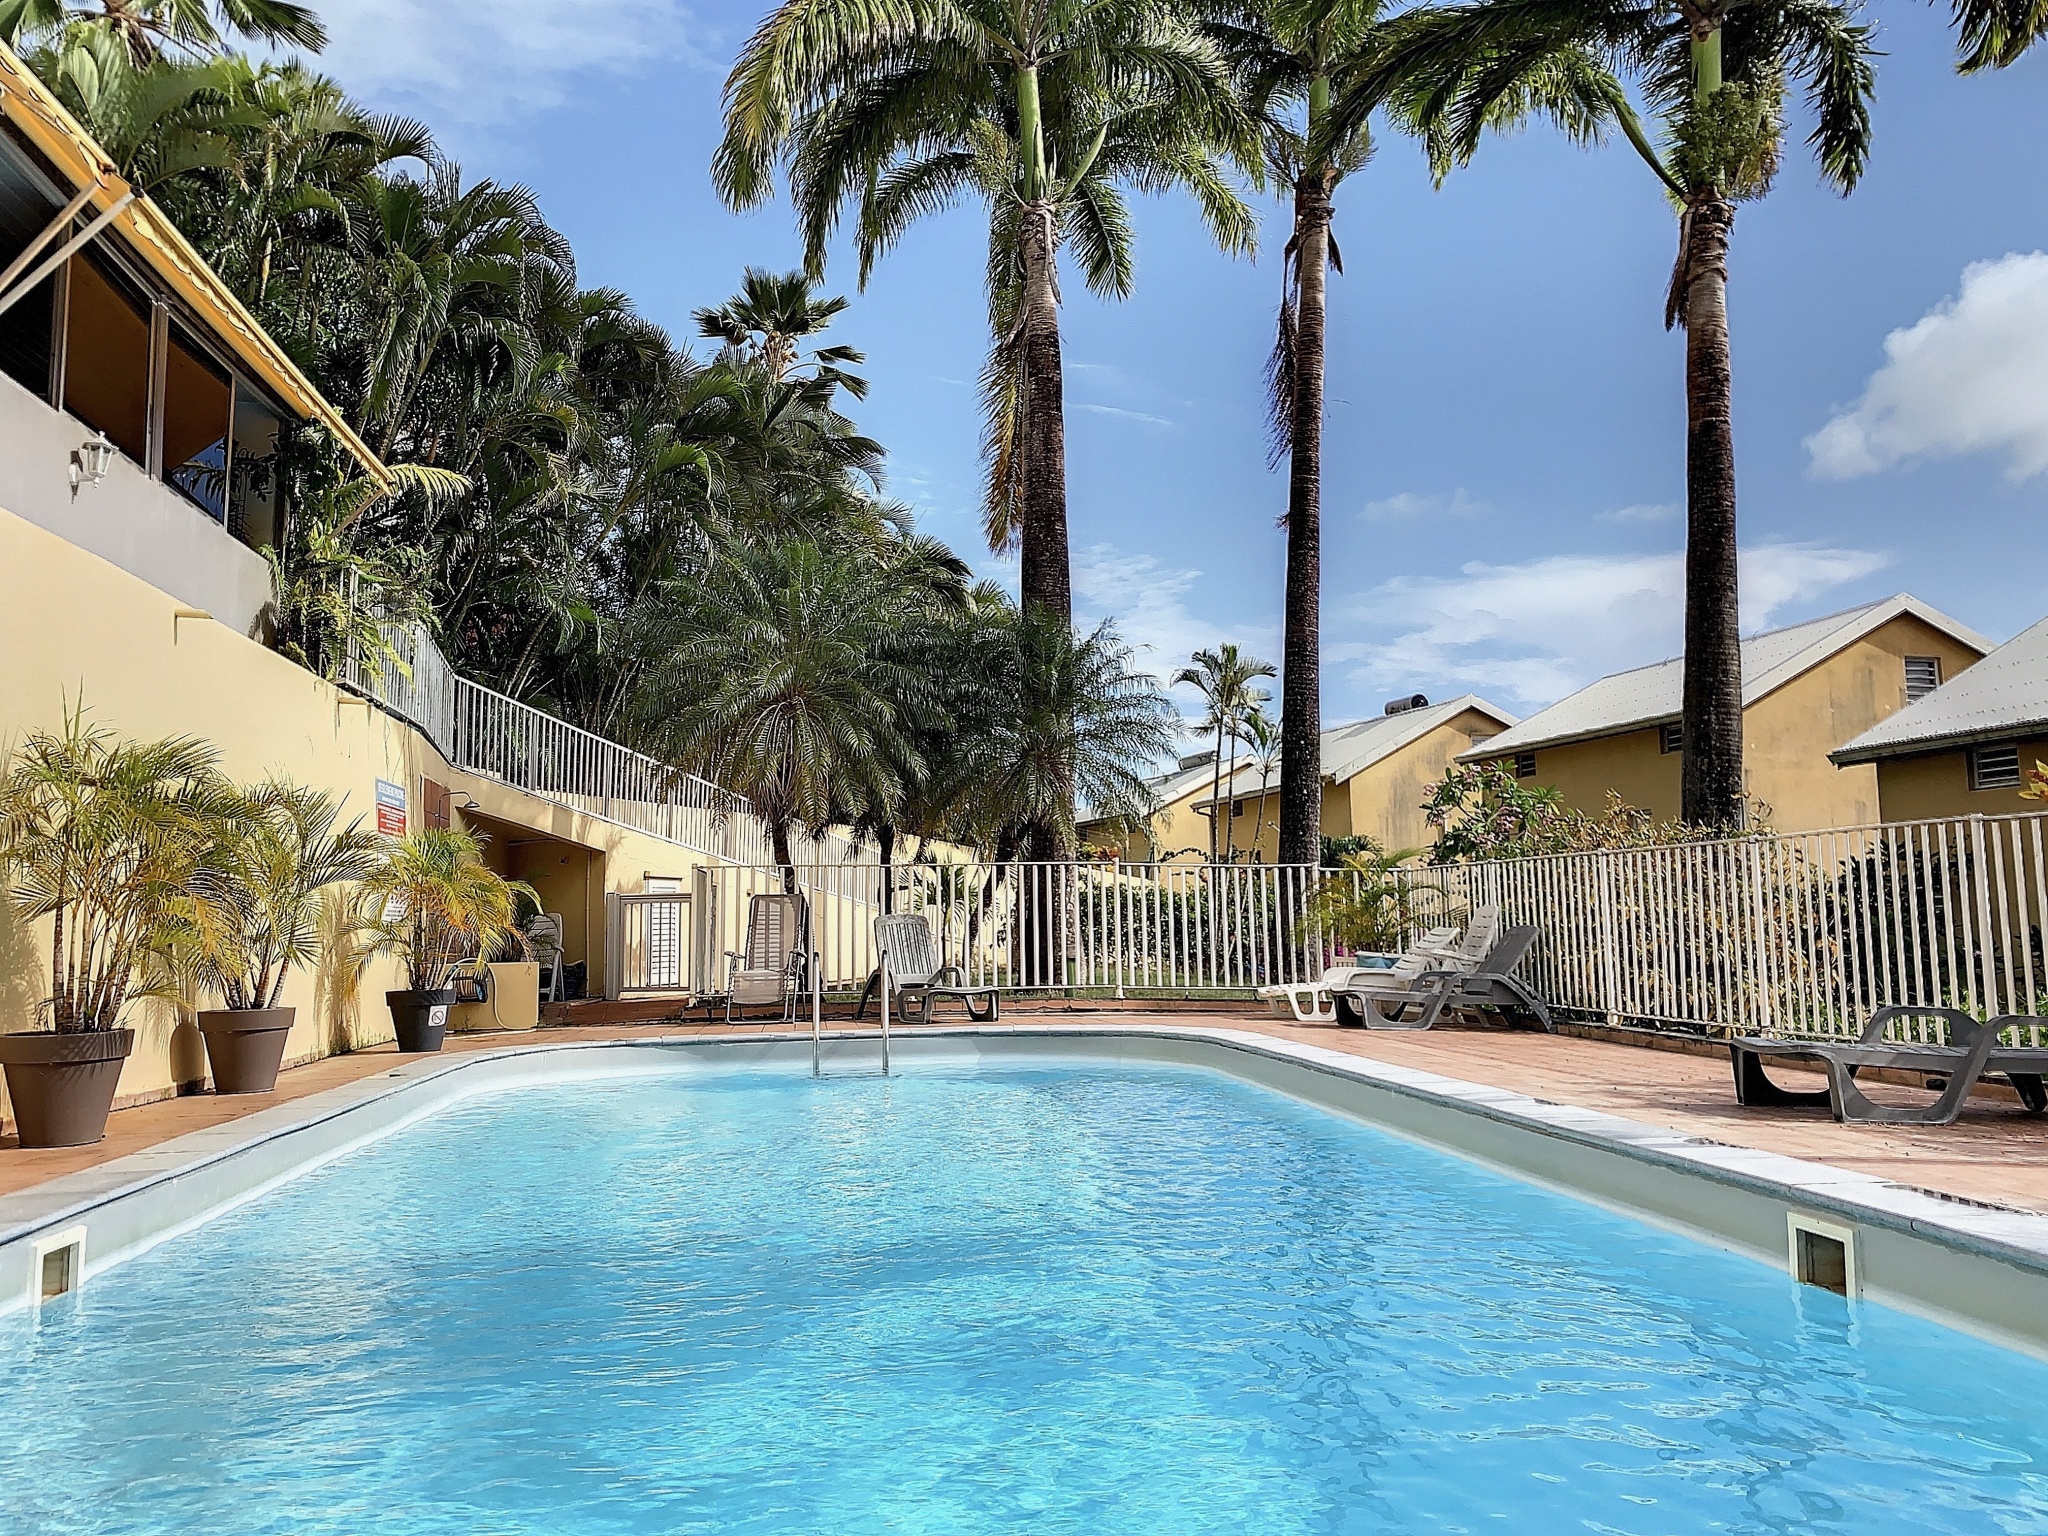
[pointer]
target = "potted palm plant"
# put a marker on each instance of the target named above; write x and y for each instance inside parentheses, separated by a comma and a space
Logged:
(441, 905)
(104, 838)
(254, 920)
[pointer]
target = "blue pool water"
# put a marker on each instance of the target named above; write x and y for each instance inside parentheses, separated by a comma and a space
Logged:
(1141, 1302)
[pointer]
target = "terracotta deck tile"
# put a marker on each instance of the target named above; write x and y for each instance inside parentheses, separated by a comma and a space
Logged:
(1994, 1154)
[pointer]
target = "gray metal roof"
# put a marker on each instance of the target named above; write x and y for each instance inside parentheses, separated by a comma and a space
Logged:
(2003, 695)
(1348, 750)
(1652, 695)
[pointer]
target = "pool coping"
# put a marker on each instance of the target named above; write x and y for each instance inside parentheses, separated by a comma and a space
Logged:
(197, 1173)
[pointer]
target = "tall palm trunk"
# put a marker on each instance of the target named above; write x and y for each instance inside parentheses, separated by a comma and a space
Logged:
(1229, 811)
(1713, 647)
(778, 835)
(1216, 799)
(1301, 724)
(1046, 580)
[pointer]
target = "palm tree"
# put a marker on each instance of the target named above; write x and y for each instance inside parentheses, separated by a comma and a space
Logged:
(770, 315)
(151, 29)
(1991, 34)
(791, 687)
(1292, 58)
(1715, 74)
(1263, 734)
(1224, 678)
(1046, 110)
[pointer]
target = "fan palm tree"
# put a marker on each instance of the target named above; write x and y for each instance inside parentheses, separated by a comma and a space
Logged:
(1045, 109)
(771, 315)
(1292, 58)
(1715, 75)
(1224, 678)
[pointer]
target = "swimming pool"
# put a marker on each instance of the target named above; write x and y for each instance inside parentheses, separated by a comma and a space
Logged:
(1045, 1298)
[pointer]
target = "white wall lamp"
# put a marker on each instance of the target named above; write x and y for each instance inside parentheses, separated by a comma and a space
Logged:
(90, 461)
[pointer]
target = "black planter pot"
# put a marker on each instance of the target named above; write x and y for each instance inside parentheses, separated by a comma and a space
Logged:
(245, 1046)
(420, 1019)
(62, 1086)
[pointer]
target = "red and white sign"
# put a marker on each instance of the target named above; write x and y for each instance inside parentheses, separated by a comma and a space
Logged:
(390, 808)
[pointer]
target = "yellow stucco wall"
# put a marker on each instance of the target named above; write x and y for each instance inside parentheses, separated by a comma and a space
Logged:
(75, 628)
(1787, 736)
(1938, 785)
(1383, 802)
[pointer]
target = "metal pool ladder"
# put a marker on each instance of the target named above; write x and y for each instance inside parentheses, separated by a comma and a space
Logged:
(818, 1016)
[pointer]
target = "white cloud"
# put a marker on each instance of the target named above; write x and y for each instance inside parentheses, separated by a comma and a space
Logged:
(1117, 410)
(1971, 376)
(484, 61)
(1528, 634)
(1643, 512)
(1149, 602)
(1404, 506)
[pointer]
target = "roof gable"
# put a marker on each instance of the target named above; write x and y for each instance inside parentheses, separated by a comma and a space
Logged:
(2002, 695)
(1652, 695)
(1349, 749)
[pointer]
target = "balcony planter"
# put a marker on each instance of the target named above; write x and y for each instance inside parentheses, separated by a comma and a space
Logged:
(245, 1046)
(420, 1018)
(62, 1086)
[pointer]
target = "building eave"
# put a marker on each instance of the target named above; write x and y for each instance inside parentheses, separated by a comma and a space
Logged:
(45, 122)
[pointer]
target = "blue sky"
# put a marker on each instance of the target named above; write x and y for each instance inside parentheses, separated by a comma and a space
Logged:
(1504, 459)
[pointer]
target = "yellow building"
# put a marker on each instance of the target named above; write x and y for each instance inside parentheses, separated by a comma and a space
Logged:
(1376, 775)
(1807, 690)
(140, 410)
(1177, 832)
(1963, 749)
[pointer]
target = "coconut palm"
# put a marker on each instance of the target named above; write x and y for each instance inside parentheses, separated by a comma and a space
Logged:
(151, 29)
(1047, 110)
(1715, 76)
(1990, 34)
(1264, 737)
(1292, 58)
(1224, 678)
(771, 315)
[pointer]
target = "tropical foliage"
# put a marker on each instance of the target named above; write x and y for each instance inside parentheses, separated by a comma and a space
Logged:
(438, 903)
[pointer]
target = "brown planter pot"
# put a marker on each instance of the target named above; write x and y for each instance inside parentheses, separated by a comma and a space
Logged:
(245, 1046)
(62, 1086)
(420, 1019)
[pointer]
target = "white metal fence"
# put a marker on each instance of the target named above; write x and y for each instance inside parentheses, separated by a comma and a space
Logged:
(482, 731)
(1794, 934)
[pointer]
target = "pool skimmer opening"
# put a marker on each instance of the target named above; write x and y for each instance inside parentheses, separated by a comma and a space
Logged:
(57, 1265)
(1822, 1253)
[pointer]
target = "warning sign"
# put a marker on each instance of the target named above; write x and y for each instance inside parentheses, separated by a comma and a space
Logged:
(390, 808)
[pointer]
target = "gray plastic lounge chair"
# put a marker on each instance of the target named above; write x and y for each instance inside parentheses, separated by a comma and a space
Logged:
(1314, 1002)
(769, 971)
(1489, 987)
(912, 975)
(1972, 1053)
(1405, 978)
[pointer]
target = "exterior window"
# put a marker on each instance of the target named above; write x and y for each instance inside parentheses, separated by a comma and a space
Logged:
(106, 357)
(1671, 738)
(198, 413)
(1236, 809)
(1995, 767)
(252, 469)
(28, 329)
(1525, 765)
(1923, 676)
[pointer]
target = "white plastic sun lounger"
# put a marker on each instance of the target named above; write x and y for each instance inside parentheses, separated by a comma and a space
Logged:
(1314, 1002)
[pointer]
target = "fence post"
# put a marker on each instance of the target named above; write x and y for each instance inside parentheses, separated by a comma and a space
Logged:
(1610, 944)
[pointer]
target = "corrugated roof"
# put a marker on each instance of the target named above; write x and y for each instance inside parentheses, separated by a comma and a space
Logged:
(1348, 750)
(1646, 696)
(43, 120)
(2003, 695)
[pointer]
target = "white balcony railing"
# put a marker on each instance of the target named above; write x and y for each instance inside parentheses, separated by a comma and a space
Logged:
(482, 731)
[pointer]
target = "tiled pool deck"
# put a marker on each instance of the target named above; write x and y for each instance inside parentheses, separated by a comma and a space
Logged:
(1995, 1154)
